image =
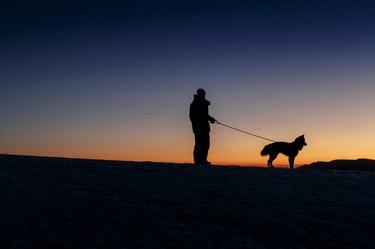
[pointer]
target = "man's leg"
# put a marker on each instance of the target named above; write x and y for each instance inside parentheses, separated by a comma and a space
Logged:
(202, 145)
(205, 147)
(197, 149)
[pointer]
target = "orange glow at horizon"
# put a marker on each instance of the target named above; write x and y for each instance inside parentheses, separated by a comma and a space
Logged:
(227, 147)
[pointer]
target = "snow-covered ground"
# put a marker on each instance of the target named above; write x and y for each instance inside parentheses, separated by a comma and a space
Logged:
(71, 203)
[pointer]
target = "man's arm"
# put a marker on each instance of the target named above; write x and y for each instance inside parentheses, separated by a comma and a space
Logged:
(211, 119)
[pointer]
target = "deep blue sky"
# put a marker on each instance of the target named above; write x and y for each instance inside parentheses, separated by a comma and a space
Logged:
(107, 72)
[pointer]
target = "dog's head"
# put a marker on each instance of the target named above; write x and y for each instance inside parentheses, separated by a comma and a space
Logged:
(300, 142)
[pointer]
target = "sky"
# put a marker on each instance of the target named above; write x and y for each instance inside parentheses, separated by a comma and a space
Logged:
(114, 79)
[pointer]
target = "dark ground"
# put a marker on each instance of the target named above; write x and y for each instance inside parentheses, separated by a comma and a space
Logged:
(73, 203)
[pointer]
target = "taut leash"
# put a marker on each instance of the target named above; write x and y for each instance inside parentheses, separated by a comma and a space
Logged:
(248, 133)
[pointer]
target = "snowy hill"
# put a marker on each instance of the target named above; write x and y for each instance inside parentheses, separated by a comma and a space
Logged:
(359, 164)
(76, 203)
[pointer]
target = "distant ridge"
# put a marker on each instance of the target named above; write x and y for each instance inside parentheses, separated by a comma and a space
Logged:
(47, 160)
(340, 164)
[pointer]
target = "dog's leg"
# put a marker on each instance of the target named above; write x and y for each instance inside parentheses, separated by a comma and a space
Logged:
(270, 160)
(269, 164)
(291, 161)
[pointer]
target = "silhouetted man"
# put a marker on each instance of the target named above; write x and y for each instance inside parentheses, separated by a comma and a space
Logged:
(200, 119)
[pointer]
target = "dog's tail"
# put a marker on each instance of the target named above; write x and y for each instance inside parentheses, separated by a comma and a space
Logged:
(265, 151)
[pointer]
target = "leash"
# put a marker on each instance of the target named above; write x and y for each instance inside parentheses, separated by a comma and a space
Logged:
(248, 133)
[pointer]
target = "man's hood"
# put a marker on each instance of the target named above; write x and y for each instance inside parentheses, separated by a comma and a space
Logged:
(200, 98)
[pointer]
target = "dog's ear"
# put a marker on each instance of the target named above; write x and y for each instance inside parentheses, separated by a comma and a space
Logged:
(304, 139)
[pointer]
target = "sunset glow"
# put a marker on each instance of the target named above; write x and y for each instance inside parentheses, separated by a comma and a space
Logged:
(114, 81)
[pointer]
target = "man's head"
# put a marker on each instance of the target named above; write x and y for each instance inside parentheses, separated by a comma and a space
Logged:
(201, 92)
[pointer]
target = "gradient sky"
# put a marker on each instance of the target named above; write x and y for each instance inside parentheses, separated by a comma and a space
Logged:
(114, 80)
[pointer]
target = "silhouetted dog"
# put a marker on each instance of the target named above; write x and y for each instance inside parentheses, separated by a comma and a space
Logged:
(289, 149)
